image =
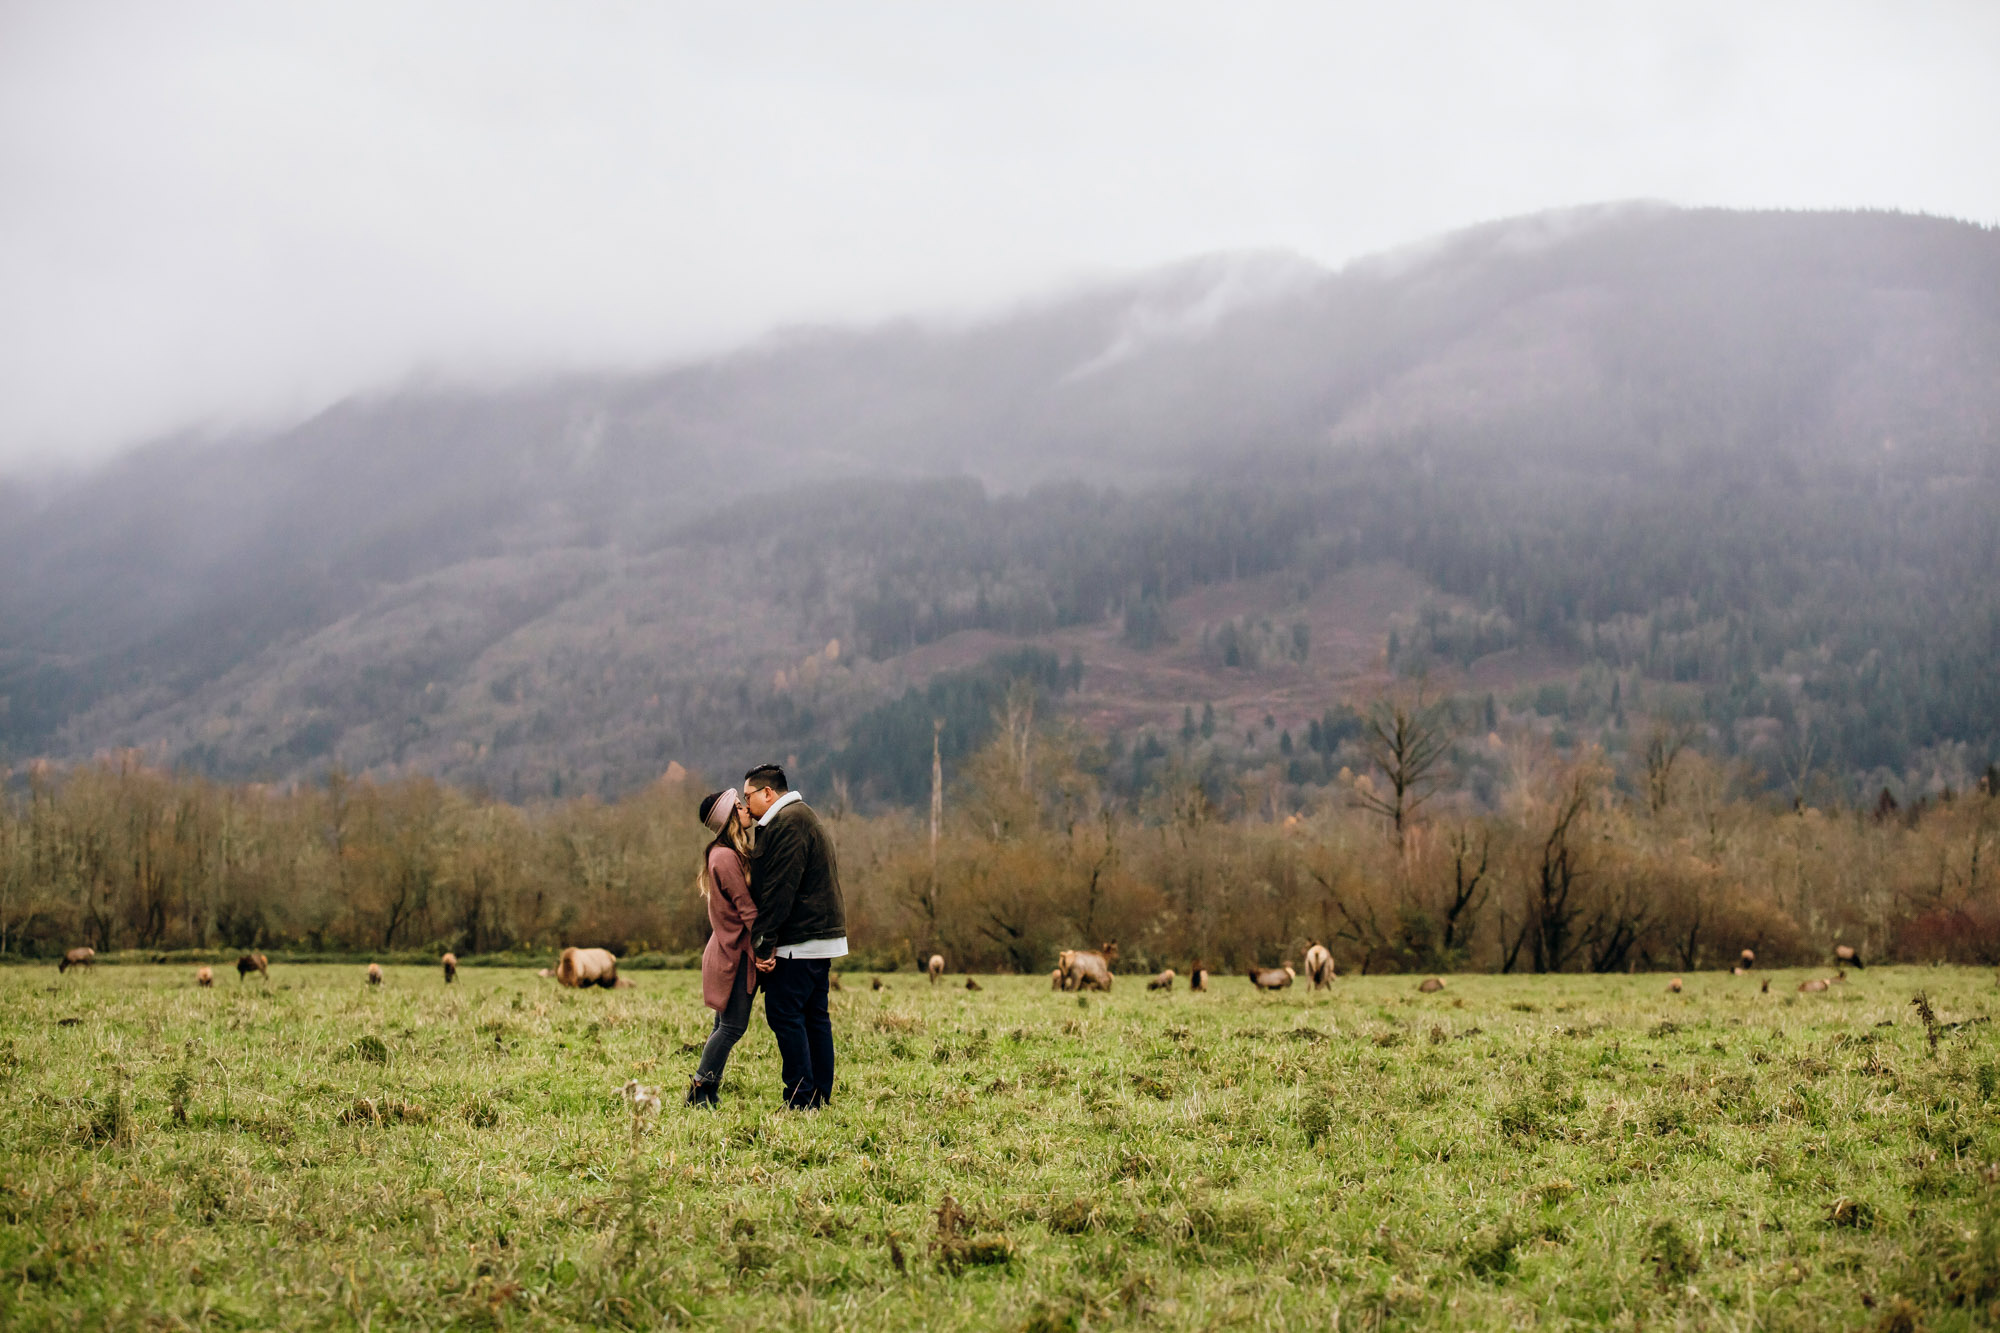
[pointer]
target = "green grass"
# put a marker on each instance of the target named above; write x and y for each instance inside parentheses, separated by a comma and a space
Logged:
(1568, 1150)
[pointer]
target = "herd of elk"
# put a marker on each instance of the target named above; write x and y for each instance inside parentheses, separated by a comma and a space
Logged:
(1076, 970)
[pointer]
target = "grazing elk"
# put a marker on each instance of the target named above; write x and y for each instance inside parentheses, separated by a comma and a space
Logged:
(1271, 978)
(1747, 959)
(1845, 954)
(1198, 976)
(875, 983)
(1319, 966)
(1164, 981)
(1765, 989)
(1088, 969)
(1675, 985)
(1431, 985)
(1056, 979)
(253, 962)
(374, 974)
(935, 967)
(204, 977)
(77, 958)
(450, 968)
(584, 968)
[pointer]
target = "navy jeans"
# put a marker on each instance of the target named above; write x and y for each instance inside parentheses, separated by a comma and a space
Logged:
(795, 1007)
(731, 1022)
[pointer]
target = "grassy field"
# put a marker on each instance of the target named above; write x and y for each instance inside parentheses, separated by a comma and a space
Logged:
(1565, 1150)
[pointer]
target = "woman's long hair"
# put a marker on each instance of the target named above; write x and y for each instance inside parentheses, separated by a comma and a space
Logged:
(734, 837)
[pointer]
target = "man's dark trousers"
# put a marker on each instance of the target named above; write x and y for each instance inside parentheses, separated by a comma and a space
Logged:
(795, 1007)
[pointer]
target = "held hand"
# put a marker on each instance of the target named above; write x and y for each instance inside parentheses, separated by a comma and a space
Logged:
(766, 964)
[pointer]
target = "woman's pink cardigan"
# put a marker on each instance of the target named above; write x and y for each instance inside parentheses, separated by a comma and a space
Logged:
(731, 914)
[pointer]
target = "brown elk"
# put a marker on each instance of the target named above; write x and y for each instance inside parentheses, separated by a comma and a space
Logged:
(1056, 979)
(450, 968)
(875, 983)
(1164, 981)
(77, 958)
(1747, 959)
(1432, 985)
(1198, 976)
(1675, 985)
(253, 962)
(1271, 978)
(1765, 989)
(1088, 969)
(1319, 965)
(204, 977)
(970, 984)
(584, 968)
(374, 974)
(935, 967)
(1813, 986)
(1845, 953)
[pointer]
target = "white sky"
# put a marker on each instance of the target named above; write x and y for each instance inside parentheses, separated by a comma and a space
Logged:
(213, 213)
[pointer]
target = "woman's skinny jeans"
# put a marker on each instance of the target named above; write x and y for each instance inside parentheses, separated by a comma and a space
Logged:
(731, 1022)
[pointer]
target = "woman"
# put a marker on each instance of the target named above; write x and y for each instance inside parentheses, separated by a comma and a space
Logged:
(728, 971)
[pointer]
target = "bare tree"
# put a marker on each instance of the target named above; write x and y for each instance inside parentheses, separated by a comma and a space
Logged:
(1470, 888)
(1663, 746)
(1407, 740)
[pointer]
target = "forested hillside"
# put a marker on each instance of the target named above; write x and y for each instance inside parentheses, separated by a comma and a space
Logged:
(1739, 471)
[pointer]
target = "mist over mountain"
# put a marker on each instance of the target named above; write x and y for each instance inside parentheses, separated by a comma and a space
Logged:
(1742, 463)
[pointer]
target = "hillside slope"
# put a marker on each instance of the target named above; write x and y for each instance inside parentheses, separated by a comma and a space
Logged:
(1719, 428)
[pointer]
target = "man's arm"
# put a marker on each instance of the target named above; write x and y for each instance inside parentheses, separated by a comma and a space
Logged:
(780, 865)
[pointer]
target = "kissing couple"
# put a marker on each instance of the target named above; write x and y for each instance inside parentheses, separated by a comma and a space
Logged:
(776, 919)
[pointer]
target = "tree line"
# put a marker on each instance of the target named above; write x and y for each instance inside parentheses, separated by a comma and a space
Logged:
(1671, 857)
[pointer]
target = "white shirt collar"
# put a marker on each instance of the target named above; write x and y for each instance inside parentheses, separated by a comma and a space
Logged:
(778, 805)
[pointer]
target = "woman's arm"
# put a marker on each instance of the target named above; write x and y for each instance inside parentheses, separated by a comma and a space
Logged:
(725, 868)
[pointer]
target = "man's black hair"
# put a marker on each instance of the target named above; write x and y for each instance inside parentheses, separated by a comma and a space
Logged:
(707, 804)
(767, 775)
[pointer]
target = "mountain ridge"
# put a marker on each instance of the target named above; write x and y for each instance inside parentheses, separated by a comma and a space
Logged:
(1632, 341)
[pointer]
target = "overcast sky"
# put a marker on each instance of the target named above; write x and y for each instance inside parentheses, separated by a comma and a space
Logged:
(213, 213)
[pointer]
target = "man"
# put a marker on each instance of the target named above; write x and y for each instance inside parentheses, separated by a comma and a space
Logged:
(801, 928)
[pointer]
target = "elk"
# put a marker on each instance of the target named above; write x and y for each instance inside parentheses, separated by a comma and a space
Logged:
(875, 983)
(450, 968)
(1844, 954)
(1432, 985)
(935, 967)
(1198, 976)
(1319, 965)
(1815, 985)
(1271, 978)
(1747, 959)
(1087, 969)
(374, 974)
(970, 984)
(584, 968)
(204, 977)
(253, 962)
(1056, 979)
(1675, 985)
(77, 958)
(1765, 989)
(1164, 981)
